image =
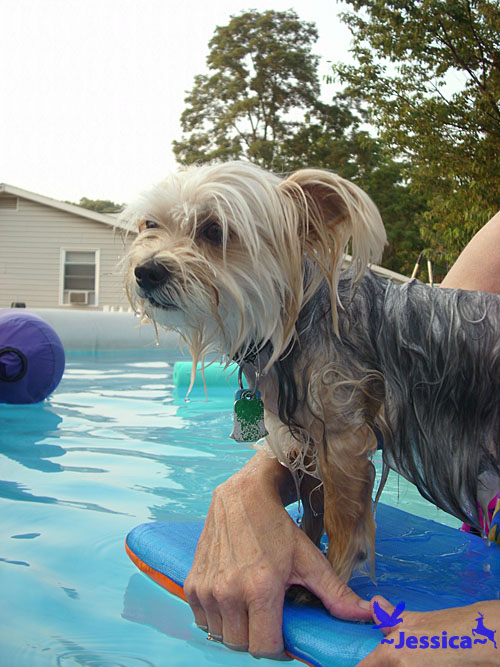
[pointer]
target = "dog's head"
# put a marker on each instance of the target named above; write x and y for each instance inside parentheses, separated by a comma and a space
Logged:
(221, 251)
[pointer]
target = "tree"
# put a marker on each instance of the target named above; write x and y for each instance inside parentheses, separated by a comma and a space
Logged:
(100, 205)
(429, 71)
(261, 102)
(332, 137)
(263, 76)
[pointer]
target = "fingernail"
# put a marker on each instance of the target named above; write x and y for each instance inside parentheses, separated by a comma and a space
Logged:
(236, 647)
(274, 656)
(383, 602)
(364, 604)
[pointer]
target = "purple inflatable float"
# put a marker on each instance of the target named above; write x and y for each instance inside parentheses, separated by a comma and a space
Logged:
(31, 358)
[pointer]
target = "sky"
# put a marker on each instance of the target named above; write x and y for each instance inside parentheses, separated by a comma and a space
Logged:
(92, 90)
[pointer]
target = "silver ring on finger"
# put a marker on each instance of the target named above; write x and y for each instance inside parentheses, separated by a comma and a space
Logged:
(211, 637)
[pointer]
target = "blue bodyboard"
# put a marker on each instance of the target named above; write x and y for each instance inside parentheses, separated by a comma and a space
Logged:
(421, 562)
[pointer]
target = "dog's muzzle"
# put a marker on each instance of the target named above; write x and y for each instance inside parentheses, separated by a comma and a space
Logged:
(152, 279)
(151, 276)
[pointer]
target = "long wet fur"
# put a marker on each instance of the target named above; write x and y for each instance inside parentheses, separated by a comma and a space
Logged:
(434, 357)
(342, 354)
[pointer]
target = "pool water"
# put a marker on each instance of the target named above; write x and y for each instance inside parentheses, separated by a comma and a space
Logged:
(113, 447)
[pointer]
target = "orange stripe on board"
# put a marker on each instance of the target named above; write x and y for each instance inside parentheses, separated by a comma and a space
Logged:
(174, 588)
(299, 659)
(160, 578)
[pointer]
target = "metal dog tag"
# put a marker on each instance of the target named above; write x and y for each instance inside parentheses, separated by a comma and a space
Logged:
(248, 416)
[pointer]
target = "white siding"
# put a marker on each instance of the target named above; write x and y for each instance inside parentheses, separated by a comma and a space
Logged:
(31, 239)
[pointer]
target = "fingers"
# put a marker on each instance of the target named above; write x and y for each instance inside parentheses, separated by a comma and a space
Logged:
(234, 618)
(212, 613)
(383, 655)
(200, 618)
(386, 606)
(316, 574)
(224, 618)
(223, 613)
(235, 630)
(265, 614)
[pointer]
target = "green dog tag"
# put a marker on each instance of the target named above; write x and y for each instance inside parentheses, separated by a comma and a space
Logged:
(248, 416)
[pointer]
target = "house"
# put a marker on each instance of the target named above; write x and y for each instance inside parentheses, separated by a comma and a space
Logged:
(57, 255)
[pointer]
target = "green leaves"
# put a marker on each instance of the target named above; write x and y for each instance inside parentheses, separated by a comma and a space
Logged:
(262, 72)
(429, 72)
(100, 205)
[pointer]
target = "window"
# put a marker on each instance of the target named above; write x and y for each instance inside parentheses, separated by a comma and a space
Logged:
(79, 277)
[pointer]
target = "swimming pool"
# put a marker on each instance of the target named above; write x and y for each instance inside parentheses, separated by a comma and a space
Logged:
(113, 447)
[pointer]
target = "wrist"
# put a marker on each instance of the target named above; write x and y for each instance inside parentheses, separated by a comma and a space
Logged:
(264, 477)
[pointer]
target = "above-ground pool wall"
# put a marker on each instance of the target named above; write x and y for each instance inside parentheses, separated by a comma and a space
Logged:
(80, 330)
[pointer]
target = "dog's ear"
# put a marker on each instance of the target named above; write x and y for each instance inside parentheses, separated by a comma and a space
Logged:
(332, 212)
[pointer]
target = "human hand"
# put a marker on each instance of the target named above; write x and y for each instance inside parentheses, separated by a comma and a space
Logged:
(249, 553)
(456, 624)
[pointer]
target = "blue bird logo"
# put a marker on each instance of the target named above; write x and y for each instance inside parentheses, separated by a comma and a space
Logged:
(387, 620)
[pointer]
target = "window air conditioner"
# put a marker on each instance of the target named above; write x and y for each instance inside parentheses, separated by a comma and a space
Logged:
(78, 298)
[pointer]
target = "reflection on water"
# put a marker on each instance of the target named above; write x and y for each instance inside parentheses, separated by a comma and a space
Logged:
(126, 449)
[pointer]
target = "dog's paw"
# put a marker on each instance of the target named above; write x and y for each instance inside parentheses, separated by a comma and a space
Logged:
(300, 595)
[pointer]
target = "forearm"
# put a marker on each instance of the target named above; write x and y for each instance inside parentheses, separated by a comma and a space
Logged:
(457, 621)
(478, 267)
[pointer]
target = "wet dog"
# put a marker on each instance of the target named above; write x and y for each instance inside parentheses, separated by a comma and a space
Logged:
(250, 266)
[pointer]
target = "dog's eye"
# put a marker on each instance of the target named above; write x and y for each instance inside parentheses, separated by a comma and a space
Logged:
(212, 232)
(147, 224)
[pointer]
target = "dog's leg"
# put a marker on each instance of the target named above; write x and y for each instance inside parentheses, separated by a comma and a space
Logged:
(288, 450)
(311, 497)
(348, 477)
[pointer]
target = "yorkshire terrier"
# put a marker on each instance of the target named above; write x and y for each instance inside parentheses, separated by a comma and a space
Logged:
(251, 266)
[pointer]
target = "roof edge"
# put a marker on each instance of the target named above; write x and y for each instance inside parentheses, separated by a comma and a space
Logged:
(62, 206)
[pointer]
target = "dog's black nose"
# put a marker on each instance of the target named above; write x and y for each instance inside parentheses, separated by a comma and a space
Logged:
(150, 275)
